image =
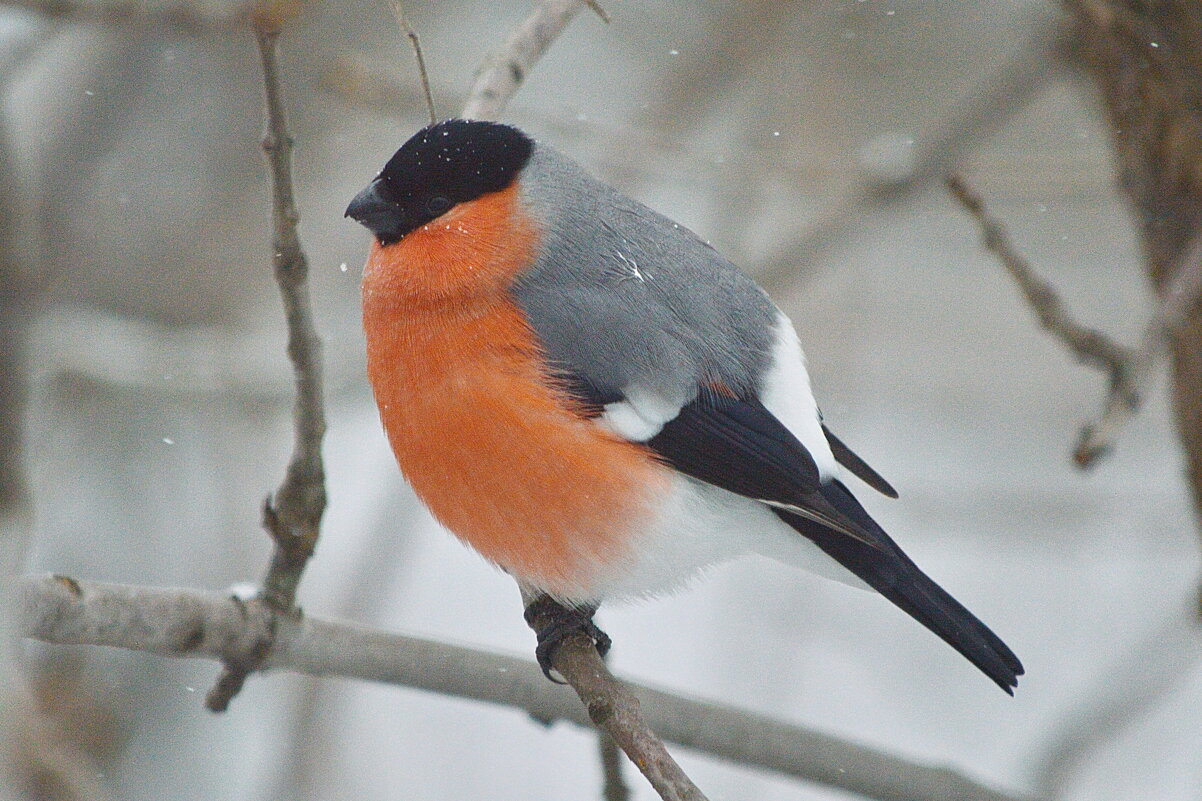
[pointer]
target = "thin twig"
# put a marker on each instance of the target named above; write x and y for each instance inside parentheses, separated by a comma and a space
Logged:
(398, 8)
(1177, 299)
(503, 71)
(293, 516)
(1090, 346)
(207, 625)
(1130, 371)
(1127, 370)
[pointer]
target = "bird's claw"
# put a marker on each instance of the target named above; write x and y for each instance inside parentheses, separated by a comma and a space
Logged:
(553, 623)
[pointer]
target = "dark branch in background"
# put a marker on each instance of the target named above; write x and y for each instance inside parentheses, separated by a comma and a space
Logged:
(208, 625)
(293, 516)
(504, 70)
(1146, 60)
(614, 786)
(1090, 346)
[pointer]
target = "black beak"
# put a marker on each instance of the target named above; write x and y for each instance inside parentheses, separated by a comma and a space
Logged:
(377, 212)
(367, 203)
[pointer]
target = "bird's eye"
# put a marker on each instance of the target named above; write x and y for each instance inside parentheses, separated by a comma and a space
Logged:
(438, 204)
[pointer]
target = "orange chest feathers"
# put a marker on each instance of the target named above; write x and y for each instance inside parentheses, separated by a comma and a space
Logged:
(495, 450)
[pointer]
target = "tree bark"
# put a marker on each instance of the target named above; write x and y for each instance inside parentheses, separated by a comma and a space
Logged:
(1147, 59)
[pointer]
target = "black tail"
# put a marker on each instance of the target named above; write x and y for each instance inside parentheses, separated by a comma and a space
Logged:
(894, 575)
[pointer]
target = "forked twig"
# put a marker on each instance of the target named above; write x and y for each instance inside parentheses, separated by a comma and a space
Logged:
(293, 515)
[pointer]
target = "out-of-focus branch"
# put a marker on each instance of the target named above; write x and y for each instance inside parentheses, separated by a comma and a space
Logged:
(1090, 346)
(1122, 695)
(293, 516)
(187, 14)
(614, 786)
(897, 164)
(503, 70)
(1127, 370)
(1146, 60)
(1177, 299)
(206, 625)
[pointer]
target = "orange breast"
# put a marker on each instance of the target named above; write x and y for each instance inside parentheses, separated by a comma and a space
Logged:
(496, 451)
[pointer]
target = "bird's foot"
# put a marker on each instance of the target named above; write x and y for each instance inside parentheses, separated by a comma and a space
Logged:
(553, 623)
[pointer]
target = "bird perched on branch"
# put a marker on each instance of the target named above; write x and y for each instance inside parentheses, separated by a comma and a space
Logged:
(596, 400)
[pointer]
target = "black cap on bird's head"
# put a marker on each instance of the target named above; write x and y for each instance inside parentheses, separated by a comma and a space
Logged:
(442, 165)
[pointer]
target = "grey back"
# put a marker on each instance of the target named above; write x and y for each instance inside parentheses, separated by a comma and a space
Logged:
(622, 296)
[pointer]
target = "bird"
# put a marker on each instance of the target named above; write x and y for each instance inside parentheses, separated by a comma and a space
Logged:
(597, 401)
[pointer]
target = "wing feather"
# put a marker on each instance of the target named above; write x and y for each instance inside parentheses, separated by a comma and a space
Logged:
(738, 445)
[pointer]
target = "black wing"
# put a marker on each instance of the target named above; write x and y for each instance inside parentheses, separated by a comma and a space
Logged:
(738, 445)
(857, 466)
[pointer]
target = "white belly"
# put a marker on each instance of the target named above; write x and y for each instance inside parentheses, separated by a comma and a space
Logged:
(701, 525)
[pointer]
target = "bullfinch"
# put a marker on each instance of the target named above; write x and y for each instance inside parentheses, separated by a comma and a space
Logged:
(596, 400)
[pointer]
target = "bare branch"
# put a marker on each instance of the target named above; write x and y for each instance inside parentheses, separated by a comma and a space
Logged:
(1090, 346)
(206, 625)
(1128, 370)
(293, 516)
(186, 14)
(398, 8)
(503, 71)
(1177, 299)
(897, 164)
(610, 705)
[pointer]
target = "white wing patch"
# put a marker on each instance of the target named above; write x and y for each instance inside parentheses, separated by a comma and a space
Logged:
(787, 394)
(640, 416)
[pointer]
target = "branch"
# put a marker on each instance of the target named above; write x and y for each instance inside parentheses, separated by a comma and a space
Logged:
(398, 9)
(293, 516)
(187, 14)
(207, 625)
(503, 71)
(612, 707)
(1128, 371)
(1177, 300)
(1090, 346)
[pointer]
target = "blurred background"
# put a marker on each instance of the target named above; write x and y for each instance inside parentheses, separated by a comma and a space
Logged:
(807, 141)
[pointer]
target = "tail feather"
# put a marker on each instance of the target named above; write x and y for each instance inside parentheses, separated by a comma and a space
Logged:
(893, 574)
